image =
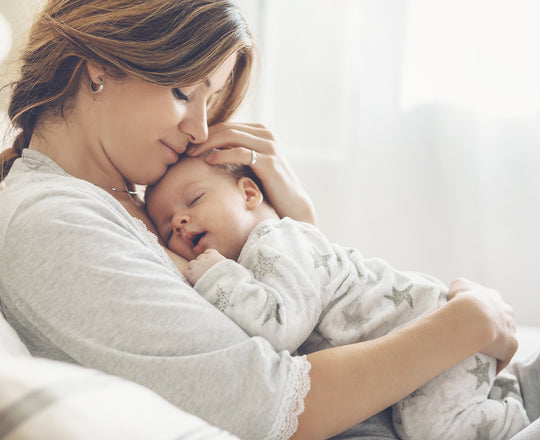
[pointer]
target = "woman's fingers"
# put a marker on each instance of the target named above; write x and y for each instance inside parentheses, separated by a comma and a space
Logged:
(234, 135)
(461, 285)
(500, 314)
(252, 128)
(241, 155)
(235, 142)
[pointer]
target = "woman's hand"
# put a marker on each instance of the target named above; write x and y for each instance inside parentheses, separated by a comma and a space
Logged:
(236, 141)
(499, 313)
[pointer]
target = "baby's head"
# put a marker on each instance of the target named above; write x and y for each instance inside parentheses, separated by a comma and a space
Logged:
(197, 206)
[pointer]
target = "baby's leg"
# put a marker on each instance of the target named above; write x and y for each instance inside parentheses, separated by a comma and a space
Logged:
(528, 375)
(455, 405)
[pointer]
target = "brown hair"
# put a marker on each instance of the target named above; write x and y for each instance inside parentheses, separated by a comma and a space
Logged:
(171, 43)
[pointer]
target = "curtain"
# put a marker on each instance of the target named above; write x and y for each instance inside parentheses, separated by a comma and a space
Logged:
(414, 126)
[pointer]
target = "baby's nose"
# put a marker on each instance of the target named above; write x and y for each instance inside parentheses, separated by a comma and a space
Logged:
(179, 221)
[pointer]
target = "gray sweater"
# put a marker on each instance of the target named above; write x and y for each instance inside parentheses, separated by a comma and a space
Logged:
(84, 282)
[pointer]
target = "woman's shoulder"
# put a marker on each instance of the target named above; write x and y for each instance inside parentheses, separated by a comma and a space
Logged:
(39, 189)
(42, 204)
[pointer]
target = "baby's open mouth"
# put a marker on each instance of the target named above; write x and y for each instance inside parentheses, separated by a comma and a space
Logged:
(197, 238)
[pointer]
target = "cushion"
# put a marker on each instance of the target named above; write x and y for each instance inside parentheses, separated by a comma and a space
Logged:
(51, 400)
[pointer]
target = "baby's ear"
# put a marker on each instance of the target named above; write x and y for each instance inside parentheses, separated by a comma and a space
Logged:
(252, 194)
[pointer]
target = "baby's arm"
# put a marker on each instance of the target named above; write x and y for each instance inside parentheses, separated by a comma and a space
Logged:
(274, 291)
(283, 313)
(257, 308)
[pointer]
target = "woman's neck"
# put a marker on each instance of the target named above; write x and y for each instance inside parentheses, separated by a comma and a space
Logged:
(70, 142)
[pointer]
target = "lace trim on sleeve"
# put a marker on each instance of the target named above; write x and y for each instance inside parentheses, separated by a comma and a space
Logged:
(292, 406)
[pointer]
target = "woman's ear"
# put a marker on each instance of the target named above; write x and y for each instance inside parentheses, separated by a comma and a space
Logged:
(96, 72)
(250, 191)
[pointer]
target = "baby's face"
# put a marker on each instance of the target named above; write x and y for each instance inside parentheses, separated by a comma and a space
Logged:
(196, 207)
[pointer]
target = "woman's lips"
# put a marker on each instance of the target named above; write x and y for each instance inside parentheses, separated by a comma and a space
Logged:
(171, 152)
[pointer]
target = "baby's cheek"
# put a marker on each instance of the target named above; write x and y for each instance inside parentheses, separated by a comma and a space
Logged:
(179, 247)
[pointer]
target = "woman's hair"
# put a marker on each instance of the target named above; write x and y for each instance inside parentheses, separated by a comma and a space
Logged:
(171, 43)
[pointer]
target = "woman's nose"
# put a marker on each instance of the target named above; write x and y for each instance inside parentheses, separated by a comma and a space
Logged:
(195, 123)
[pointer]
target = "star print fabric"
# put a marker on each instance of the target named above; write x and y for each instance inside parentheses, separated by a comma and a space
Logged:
(302, 293)
(292, 283)
(458, 405)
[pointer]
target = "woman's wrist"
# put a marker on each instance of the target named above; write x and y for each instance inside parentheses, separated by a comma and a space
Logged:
(305, 213)
(496, 318)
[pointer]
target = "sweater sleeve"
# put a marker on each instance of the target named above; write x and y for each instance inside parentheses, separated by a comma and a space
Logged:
(81, 283)
(280, 288)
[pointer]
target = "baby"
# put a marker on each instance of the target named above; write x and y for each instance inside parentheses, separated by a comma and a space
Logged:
(283, 280)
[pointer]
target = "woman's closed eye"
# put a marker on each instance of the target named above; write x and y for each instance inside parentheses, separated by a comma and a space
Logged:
(179, 95)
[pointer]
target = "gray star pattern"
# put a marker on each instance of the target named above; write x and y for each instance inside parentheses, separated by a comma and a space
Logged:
(263, 230)
(351, 317)
(265, 266)
(416, 393)
(321, 261)
(354, 315)
(403, 403)
(483, 428)
(222, 300)
(507, 386)
(398, 296)
(481, 371)
(272, 309)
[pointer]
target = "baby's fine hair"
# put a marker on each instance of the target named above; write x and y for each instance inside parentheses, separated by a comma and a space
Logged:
(171, 43)
(238, 171)
(235, 170)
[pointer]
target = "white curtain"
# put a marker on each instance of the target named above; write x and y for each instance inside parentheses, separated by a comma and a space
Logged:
(415, 126)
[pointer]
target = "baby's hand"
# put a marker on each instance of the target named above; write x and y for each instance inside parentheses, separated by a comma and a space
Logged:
(196, 268)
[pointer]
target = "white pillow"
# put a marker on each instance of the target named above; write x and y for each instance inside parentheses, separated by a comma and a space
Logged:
(57, 401)
(9, 340)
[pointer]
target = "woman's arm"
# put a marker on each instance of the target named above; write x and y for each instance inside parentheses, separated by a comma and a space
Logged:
(351, 383)
(282, 187)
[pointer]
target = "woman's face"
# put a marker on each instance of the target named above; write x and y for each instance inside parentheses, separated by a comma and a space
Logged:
(142, 128)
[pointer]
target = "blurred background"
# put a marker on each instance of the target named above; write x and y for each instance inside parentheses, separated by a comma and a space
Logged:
(413, 124)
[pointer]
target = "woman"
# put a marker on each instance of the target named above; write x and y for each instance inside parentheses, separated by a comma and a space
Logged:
(111, 93)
